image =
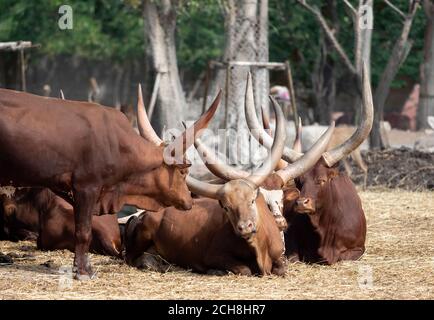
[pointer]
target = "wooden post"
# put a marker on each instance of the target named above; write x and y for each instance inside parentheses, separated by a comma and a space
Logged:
(292, 94)
(23, 71)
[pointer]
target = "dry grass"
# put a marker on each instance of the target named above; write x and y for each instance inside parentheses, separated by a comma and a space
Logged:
(400, 254)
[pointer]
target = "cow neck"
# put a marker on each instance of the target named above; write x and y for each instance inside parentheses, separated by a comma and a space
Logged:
(340, 198)
(260, 242)
(146, 156)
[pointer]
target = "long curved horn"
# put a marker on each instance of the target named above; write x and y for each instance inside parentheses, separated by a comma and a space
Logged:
(309, 159)
(203, 188)
(276, 149)
(217, 167)
(256, 129)
(145, 127)
(333, 156)
(187, 138)
(266, 124)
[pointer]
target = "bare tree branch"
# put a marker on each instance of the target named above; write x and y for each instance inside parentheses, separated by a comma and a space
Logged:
(330, 34)
(396, 9)
(349, 7)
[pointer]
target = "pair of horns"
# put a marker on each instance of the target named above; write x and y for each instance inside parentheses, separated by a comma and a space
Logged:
(287, 172)
(335, 155)
(184, 141)
(257, 177)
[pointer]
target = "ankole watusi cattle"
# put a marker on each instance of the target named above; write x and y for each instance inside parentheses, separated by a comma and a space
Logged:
(276, 182)
(91, 155)
(326, 222)
(39, 214)
(231, 228)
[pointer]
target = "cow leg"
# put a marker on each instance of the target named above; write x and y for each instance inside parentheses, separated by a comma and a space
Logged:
(227, 263)
(279, 267)
(83, 207)
(352, 255)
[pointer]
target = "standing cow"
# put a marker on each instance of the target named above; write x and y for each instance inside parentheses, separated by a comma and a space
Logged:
(91, 155)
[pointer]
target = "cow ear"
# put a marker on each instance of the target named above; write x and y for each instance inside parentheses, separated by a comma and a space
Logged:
(290, 194)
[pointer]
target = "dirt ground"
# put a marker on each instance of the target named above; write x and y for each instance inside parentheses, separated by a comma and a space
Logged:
(398, 264)
(401, 168)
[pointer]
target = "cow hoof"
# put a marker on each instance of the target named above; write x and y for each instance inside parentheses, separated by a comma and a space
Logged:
(85, 277)
(293, 258)
(215, 272)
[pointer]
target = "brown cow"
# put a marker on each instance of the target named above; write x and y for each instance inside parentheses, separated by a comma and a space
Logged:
(19, 219)
(92, 156)
(326, 222)
(39, 214)
(234, 230)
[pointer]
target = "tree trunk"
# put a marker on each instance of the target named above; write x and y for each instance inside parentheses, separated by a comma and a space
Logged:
(261, 79)
(398, 56)
(426, 106)
(160, 23)
(246, 29)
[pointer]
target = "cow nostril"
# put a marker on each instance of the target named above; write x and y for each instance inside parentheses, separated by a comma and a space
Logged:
(240, 228)
(306, 201)
(250, 225)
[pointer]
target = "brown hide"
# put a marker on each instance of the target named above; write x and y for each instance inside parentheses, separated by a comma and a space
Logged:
(50, 220)
(326, 223)
(67, 145)
(203, 239)
(86, 150)
(19, 219)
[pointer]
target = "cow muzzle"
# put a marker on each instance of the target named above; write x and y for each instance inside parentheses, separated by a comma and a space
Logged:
(246, 229)
(305, 205)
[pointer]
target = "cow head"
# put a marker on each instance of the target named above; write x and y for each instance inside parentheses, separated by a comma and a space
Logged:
(238, 197)
(315, 186)
(169, 179)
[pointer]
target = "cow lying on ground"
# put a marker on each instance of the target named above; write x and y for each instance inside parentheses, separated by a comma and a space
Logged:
(19, 219)
(231, 229)
(326, 222)
(39, 214)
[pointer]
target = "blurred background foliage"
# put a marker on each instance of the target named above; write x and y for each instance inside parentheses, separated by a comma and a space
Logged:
(113, 30)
